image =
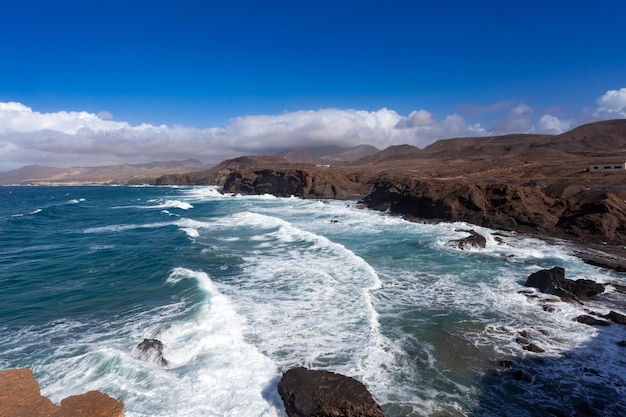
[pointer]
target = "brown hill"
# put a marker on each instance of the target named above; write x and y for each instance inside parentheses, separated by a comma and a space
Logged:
(218, 173)
(122, 173)
(328, 155)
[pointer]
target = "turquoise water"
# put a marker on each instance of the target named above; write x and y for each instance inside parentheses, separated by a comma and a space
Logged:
(239, 289)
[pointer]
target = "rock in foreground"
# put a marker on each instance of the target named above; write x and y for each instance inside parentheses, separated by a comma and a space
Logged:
(310, 393)
(553, 281)
(20, 397)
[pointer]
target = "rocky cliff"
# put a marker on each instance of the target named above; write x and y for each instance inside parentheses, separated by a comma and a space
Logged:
(595, 217)
(300, 182)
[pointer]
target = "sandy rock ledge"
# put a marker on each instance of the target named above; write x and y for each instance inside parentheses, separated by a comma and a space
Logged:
(20, 396)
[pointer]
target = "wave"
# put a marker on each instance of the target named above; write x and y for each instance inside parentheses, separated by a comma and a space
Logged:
(211, 369)
(307, 299)
(183, 205)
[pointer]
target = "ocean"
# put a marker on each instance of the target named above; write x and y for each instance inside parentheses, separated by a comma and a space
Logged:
(241, 288)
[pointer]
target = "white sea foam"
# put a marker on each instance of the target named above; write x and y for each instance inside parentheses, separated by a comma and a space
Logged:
(75, 201)
(211, 369)
(163, 204)
(308, 299)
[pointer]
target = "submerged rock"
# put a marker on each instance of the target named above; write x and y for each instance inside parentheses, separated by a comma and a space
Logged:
(151, 350)
(311, 393)
(20, 397)
(474, 241)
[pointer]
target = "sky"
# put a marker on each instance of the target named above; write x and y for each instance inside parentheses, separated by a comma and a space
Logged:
(89, 83)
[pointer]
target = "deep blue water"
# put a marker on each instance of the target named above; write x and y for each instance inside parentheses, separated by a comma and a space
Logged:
(239, 289)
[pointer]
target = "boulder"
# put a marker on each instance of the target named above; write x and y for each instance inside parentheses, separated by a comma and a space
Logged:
(312, 393)
(616, 317)
(20, 397)
(553, 281)
(474, 241)
(151, 350)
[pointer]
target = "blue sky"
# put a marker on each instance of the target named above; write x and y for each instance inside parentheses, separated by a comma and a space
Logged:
(189, 69)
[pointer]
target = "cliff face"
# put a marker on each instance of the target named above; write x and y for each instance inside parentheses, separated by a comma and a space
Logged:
(304, 183)
(581, 216)
(592, 216)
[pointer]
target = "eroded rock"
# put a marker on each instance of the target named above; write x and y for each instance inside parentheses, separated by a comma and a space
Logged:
(151, 350)
(553, 281)
(312, 393)
(474, 241)
(20, 397)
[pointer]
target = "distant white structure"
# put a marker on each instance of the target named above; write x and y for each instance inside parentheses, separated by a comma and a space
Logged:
(607, 167)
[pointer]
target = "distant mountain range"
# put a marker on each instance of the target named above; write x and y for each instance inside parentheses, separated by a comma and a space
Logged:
(111, 174)
(599, 141)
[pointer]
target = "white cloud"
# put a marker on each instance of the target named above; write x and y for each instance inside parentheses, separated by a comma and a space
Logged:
(551, 124)
(69, 138)
(612, 105)
(82, 138)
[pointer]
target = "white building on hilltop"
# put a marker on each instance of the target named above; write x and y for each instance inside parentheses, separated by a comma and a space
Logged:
(607, 167)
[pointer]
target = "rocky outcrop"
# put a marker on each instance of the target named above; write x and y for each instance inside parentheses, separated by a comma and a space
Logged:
(616, 317)
(151, 350)
(305, 183)
(501, 206)
(528, 209)
(474, 241)
(20, 397)
(553, 281)
(311, 393)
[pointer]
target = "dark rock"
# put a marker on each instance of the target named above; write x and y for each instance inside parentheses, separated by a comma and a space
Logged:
(474, 241)
(310, 393)
(615, 264)
(553, 281)
(522, 341)
(622, 343)
(616, 317)
(151, 350)
(504, 363)
(286, 182)
(531, 347)
(549, 309)
(522, 376)
(592, 321)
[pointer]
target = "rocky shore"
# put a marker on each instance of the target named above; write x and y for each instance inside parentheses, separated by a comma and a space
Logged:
(20, 397)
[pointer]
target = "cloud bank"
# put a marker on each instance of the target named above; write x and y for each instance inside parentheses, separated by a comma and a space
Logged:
(66, 139)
